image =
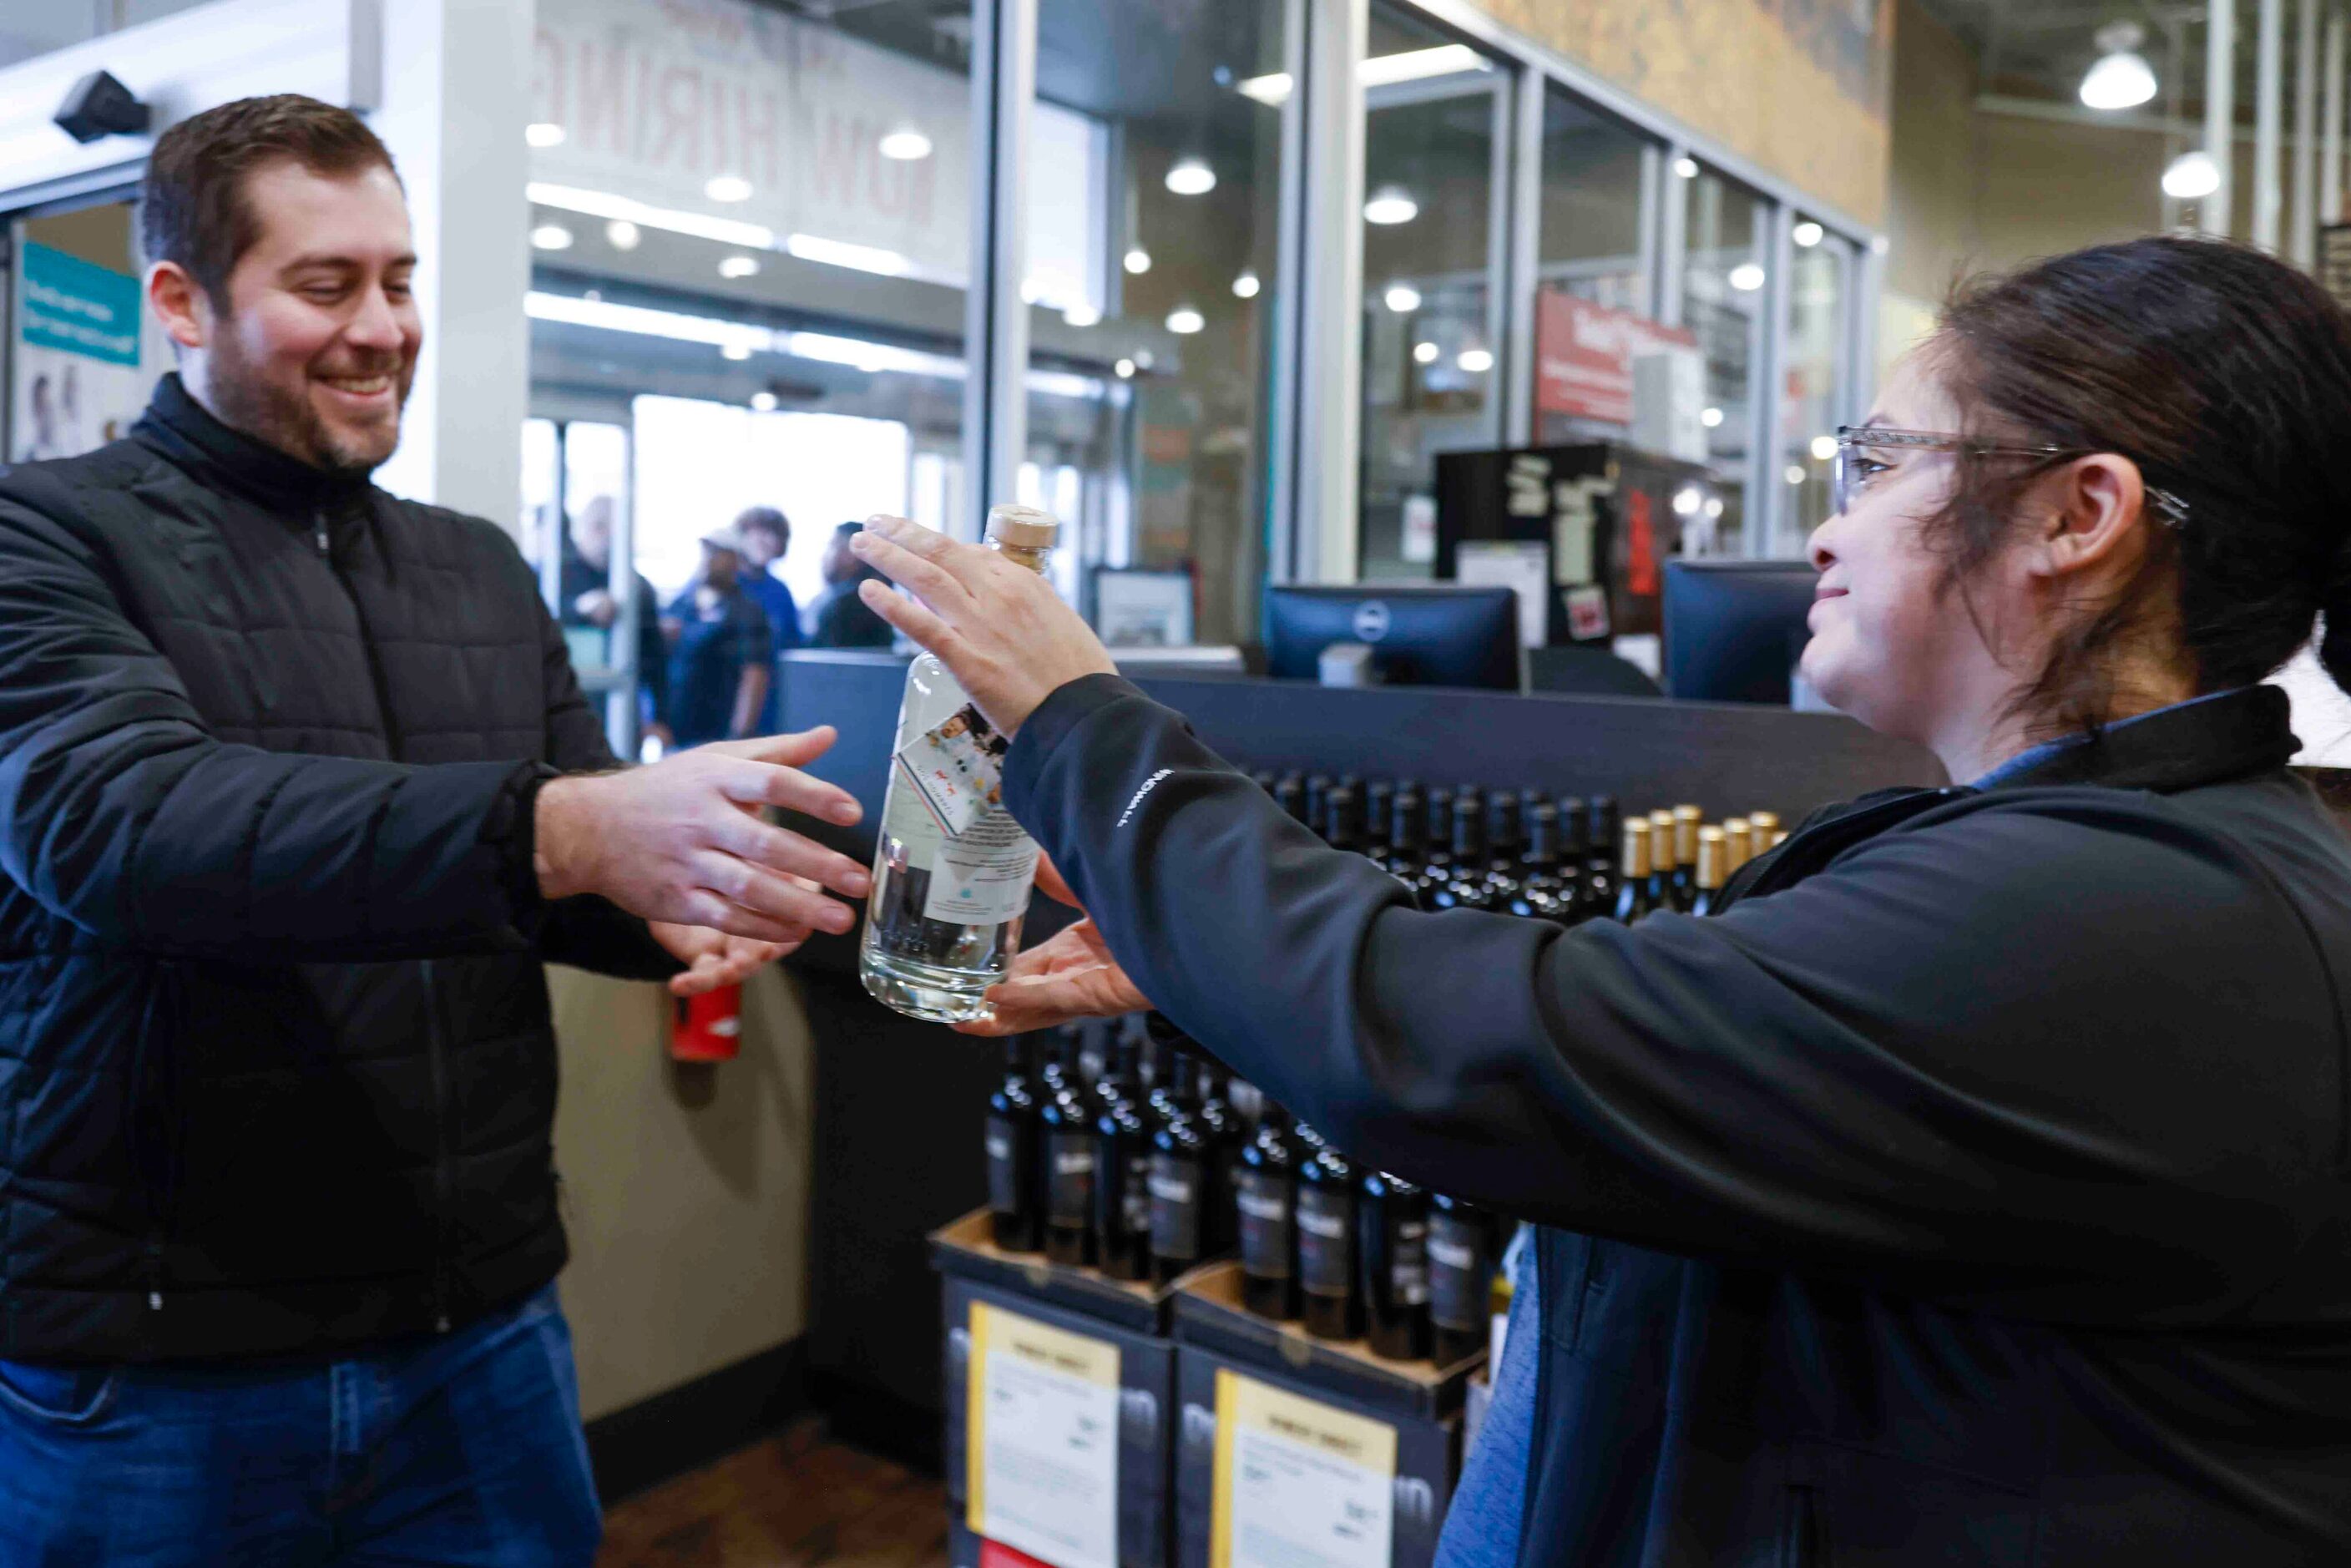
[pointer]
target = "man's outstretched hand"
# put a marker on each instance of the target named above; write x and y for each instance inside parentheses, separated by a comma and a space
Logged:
(682, 844)
(713, 958)
(1069, 977)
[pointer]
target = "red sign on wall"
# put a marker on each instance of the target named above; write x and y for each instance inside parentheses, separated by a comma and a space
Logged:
(1584, 353)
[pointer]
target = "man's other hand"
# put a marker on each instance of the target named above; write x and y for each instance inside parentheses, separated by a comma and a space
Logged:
(682, 841)
(713, 958)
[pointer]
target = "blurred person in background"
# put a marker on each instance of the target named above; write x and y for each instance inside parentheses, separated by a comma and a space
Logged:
(767, 536)
(722, 650)
(839, 617)
(298, 795)
(585, 595)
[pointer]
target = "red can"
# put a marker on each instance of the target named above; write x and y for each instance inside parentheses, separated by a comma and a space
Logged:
(708, 1028)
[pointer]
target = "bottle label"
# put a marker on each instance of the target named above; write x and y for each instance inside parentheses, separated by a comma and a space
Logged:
(945, 806)
(1135, 1196)
(1070, 1184)
(1268, 1228)
(1459, 1279)
(1175, 1208)
(957, 768)
(1007, 1181)
(1408, 1264)
(1326, 1241)
(982, 875)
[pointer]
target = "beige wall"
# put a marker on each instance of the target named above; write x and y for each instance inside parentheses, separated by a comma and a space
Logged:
(685, 1187)
(1798, 86)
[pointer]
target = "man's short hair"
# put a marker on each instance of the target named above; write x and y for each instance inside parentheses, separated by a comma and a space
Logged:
(767, 518)
(191, 205)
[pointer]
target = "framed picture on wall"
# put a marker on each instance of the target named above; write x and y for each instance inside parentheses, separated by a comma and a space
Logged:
(1139, 609)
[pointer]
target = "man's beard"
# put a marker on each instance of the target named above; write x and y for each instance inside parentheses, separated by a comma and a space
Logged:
(245, 400)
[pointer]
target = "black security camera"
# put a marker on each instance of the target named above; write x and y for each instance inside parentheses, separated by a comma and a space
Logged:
(101, 105)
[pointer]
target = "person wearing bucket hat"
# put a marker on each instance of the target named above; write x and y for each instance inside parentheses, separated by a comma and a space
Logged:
(722, 648)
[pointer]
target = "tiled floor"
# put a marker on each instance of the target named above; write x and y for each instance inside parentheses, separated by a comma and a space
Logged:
(793, 1502)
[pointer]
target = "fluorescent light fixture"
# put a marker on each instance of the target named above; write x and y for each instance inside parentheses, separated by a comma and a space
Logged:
(738, 267)
(1081, 316)
(1246, 286)
(1824, 448)
(1711, 418)
(1477, 362)
(764, 402)
(905, 145)
(1063, 383)
(727, 188)
(1687, 501)
(1138, 261)
(1391, 204)
(841, 253)
(872, 358)
(622, 235)
(1401, 297)
(734, 351)
(544, 134)
(1183, 321)
(551, 236)
(1192, 177)
(1795, 473)
(1124, 369)
(604, 205)
(1425, 352)
(1380, 71)
(1746, 277)
(2191, 177)
(2122, 79)
(641, 320)
(1808, 233)
(1686, 167)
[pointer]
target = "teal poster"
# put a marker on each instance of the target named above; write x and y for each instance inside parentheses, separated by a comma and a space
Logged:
(75, 364)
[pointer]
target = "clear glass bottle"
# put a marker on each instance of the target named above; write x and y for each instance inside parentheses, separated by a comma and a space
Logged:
(952, 872)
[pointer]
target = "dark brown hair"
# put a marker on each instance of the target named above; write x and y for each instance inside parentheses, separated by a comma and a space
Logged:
(2226, 376)
(191, 206)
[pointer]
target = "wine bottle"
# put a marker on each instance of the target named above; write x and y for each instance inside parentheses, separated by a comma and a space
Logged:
(1016, 1219)
(1065, 1126)
(1541, 892)
(1403, 858)
(1599, 864)
(1461, 1254)
(1379, 817)
(1179, 1169)
(1220, 1125)
(1737, 846)
(1326, 1245)
(1121, 1079)
(1342, 819)
(1765, 826)
(1266, 1204)
(952, 869)
(1506, 842)
(1665, 889)
(1636, 895)
(1466, 886)
(1710, 877)
(1686, 822)
(1392, 1229)
(1123, 1190)
(1290, 794)
(1436, 846)
(1318, 801)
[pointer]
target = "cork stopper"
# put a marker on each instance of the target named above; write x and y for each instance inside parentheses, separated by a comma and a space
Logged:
(1023, 527)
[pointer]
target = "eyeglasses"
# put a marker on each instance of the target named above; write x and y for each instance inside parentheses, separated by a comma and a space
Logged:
(1853, 470)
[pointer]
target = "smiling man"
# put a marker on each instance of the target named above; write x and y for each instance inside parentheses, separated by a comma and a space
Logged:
(296, 794)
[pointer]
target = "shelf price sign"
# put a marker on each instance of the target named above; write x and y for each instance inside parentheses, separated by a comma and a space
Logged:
(1299, 1484)
(1042, 1454)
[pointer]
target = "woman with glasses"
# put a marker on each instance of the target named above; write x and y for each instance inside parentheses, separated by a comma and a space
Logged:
(1975, 1188)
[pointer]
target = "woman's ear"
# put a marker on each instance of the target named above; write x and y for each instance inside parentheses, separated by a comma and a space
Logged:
(2097, 518)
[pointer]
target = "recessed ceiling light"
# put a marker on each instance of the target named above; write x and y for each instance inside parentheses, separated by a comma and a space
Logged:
(551, 236)
(1192, 177)
(764, 402)
(1124, 369)
(1795, 473)
(1687, 501)
(1710, 418)
(1401, 297)
(1714, 506)
(738, 265)
(905, 145)
(2191, 177)
(1686, 168)
(727, 188)
(622, 235)
(1183, 321)
(1477, 362)
(1746, 277)
(1824, 448)
(1807, 234)
(734, 351)
(1425, 352)
(544, 134)
(1391, 204)
(1246, 286)
(1138, 261)
(1081, 316)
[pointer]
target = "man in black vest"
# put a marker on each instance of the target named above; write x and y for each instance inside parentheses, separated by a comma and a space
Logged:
(296, 794)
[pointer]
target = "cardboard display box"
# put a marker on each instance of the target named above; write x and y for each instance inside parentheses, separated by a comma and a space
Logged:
(962, 1249)
(1271, 1470)
(1208, 1313)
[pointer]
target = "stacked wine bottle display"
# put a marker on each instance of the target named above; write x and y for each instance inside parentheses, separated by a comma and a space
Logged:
(1138, 1161)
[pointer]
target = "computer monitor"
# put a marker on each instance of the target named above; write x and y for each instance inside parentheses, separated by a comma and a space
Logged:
(1735, 628)
(1439, 636)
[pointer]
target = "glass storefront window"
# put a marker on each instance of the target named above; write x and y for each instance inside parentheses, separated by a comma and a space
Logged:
(1146, 398)
(1725, 270)
(1814, 403)
(1592, 271)
(1435, 113)
(27, 32)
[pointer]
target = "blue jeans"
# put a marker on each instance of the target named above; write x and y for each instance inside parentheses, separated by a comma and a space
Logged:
(459, 1448)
